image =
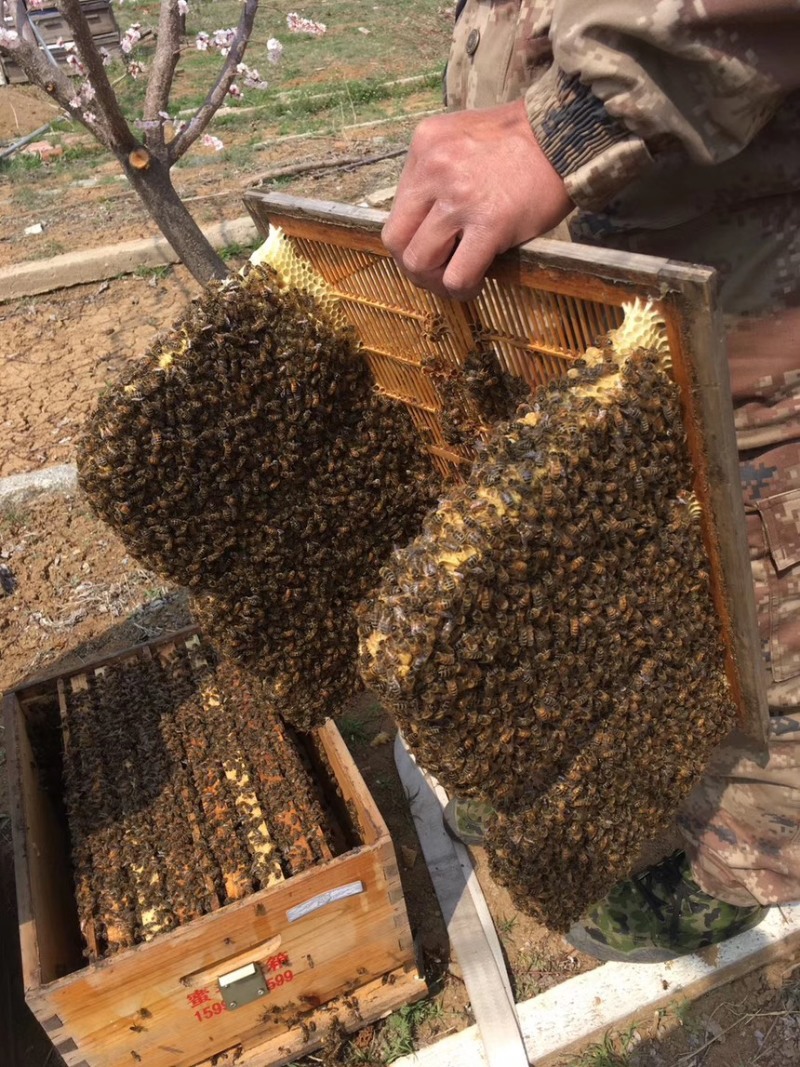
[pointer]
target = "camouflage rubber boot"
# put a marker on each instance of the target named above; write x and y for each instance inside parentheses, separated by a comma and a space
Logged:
(658, 915)
(466, 820)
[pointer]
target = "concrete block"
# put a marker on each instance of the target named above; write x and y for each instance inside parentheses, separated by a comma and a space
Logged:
(20, 487)
(97, 264)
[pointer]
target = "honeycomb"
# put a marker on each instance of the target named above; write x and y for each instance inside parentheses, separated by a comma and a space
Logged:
(278, 253)
(183, 792)
(548, 642)
(249, 458)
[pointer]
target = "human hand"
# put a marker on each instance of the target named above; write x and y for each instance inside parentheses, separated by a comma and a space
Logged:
(475, 183)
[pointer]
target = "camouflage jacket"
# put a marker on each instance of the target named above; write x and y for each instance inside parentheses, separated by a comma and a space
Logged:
(675, 125)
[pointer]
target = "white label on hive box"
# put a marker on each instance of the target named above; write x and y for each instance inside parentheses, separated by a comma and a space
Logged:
(352, 889)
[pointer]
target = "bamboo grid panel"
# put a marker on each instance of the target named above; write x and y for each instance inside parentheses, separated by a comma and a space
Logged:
(542, 305)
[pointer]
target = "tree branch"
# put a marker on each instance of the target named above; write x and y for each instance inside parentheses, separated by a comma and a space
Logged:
(122, 139)
(162, 70)
(55, 83)
(203, 116)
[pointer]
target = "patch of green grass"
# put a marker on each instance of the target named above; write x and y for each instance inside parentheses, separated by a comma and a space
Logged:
(686, 1014)
(405, 38)
(161, 271)
(13, 517)
(240, 158)
(353, 95)
(534, 961)
(28, 197)
(612, 1051)
(353, 729)
(506, 925)
(234, 121)
(237, 251)
(80, 152)
(397, 1037)
(20, 164)
(47, 249)
(357, 725)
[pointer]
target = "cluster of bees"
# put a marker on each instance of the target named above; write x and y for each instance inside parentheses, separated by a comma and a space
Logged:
(474, 397)
(183, 793)
(249, 458)
(545, 634)
(548, 642)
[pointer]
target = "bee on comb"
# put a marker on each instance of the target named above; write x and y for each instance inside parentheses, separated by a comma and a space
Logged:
(613, 659)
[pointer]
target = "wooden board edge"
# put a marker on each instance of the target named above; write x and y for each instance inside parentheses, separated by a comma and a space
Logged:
(347, 773)
(715, 459)
(546, 260)
(24, 687)
(643, 1014)
(373, 1001)
(29, 948)
(570, 1016)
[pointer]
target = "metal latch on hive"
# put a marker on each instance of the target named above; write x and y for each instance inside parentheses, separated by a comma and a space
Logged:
(242, 986)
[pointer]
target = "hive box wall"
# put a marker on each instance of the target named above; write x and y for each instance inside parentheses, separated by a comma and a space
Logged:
(341, 929)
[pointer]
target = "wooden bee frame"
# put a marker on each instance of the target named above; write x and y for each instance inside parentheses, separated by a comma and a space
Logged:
(342, 926)
(541, 307)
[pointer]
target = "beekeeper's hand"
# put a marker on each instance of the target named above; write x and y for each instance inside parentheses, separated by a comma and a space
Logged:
(475, 183)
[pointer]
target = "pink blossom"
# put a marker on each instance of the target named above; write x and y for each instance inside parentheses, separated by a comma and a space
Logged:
(90, 117)
(135, 68)
(252, 79)
(274, 50)
(75, 63)
(235, 91)
(105, 55)
(75, 103)
(222, 40)
(201, 42)
(298, 24)
(9, 38)
(209, 141)
(131, 38)
(183, 7)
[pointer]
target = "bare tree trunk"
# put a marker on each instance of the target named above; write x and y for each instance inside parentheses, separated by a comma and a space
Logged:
(156, 191)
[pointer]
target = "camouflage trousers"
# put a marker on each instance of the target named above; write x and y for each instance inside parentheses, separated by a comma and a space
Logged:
(742, 821)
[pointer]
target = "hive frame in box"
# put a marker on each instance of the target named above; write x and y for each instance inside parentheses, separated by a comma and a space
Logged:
(541, 307)
(343, 925)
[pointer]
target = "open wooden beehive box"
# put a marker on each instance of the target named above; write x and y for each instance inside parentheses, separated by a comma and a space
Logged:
(541, 307)
(259, 981)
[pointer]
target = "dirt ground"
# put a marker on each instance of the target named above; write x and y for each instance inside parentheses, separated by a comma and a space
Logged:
(99, 207)
(72, 591)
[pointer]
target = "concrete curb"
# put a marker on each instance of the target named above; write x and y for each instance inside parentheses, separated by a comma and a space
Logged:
(97, 264)
(20, 487)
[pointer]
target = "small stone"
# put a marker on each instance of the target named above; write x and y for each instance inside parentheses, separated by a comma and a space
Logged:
(44, 150)
(409, 856)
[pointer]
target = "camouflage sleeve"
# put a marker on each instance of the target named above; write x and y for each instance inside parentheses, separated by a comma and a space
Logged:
(632, 80)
